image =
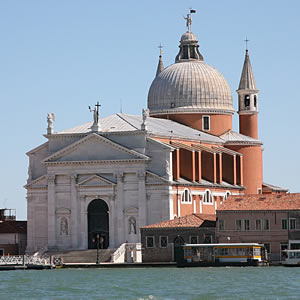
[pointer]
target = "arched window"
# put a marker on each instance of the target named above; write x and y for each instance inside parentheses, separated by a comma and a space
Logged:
(186, 196)
(208, 197)
(227, 194)
(247, 100)
(255, 100)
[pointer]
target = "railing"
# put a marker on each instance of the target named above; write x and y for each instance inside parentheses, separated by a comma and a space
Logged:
(24, 260)
(119, 255)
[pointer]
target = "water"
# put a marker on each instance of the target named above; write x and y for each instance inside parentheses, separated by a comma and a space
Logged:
(152, 283)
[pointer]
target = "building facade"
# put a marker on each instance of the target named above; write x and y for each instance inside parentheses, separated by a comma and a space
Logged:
(112, 176)
(269, 219)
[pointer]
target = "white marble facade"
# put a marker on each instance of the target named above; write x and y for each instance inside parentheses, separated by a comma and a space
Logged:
(128, 170)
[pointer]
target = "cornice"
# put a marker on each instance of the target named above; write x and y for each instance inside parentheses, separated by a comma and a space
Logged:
(189, 110)
(94, 162)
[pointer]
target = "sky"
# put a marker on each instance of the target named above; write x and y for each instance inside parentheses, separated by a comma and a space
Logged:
(61, 56)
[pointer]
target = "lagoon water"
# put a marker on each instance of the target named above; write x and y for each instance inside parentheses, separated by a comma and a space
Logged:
(153, 283)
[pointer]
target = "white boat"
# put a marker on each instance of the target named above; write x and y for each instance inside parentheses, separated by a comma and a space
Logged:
(292, 258)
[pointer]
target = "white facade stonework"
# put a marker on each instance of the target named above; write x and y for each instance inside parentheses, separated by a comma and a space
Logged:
(71, 170)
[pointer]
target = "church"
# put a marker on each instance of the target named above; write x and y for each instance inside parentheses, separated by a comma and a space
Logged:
(110, 177)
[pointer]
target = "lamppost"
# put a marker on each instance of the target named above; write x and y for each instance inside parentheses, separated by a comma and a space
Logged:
(97, 243)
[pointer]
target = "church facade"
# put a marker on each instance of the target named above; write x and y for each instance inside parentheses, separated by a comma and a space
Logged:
(108, 178)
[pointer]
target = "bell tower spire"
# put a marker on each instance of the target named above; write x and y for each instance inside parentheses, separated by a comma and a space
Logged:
(160, 66)
(248, 95)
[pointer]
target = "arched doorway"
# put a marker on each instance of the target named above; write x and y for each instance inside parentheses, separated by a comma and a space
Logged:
(178, 249)
(98, 224)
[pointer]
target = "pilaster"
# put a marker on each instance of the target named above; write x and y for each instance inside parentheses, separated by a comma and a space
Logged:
(51, 211)
(120, 208)
(142, 199)
(74, 212)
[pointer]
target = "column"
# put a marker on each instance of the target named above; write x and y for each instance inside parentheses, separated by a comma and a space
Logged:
(30, 222)
(220, 175)
(51, 212)
(74, 212)
(120, 209)
(112, 221)
(83, 232)
(215, 167)
(234, 169)
(142, 200)
(193, 166)
(199, 167)
(241, 171)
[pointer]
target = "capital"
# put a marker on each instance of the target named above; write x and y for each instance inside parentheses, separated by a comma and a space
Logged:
(51, 178)
(141, 175)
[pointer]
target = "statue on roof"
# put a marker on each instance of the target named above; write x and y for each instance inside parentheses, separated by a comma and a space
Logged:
(145, 115)
(188, 19)
(50, 120)
(96, 124)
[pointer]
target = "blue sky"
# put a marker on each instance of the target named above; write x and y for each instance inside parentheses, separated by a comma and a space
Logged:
(61, 56)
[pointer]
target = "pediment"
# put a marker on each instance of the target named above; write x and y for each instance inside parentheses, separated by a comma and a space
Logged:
(63, 211)
(152, 178)
(40, 182)
(94, 147)
(131, 211)
(95, 181)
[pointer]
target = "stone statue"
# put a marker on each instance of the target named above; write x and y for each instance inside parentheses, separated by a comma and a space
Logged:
(96, 125)
(188, 22)
(145, 115)
(132, 225)
(64, 230)
(50, 120)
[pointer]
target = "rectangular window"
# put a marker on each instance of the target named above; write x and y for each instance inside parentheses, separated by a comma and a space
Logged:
(150, 241)
(208, 239)
(206, 122)
(163, 241)
(194, 239)
(292, 223)
(258, 224)
(221, 225)
(259, 191)
(1, 252)
(284, 224)
(247, 225)
(266, 224)
(238, 224)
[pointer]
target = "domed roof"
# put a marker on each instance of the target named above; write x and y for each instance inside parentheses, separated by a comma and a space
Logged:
(188, 36)
(189, 86)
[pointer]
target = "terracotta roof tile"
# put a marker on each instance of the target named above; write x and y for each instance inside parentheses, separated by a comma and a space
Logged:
(193, 220)
(262, 202)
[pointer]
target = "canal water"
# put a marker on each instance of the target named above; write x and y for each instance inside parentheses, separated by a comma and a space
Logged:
(153, 283)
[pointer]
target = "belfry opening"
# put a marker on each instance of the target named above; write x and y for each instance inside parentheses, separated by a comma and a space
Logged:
(98, 224)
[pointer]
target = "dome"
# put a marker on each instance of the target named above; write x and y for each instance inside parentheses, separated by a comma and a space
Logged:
(190, 86)
(188, 37)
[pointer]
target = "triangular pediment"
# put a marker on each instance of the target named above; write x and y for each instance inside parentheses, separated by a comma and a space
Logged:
(94, 147)
(152, 178)
(40, 182)
(95, 181)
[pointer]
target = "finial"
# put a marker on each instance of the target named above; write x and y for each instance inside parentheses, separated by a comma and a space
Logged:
(50, 120)
(96, 125)
(246, 41)
(160, 49)
(188, 19)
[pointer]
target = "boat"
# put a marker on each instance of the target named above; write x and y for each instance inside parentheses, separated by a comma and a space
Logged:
(227, 254)
(292, 258)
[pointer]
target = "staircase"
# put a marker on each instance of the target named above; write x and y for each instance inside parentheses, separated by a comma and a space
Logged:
(83, 256)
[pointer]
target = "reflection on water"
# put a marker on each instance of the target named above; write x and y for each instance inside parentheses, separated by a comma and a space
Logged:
(153, 283)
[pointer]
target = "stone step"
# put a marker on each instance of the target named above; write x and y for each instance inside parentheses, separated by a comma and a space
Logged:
(83, 256)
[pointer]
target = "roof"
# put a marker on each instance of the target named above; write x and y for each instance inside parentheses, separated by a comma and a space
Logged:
(274, 187)
(193, 220)
(247, 81)
(13, 227)
(155, 126)
(262, 202)
(232, 137)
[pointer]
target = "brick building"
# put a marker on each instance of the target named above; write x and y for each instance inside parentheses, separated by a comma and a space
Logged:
(162, 242)
(270, 219)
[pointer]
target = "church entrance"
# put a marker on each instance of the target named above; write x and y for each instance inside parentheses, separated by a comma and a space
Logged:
(98, 226)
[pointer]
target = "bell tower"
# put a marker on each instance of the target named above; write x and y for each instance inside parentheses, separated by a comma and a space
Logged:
(248, 104)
